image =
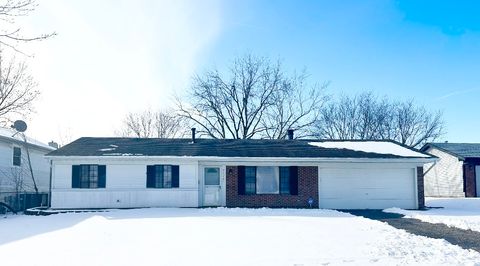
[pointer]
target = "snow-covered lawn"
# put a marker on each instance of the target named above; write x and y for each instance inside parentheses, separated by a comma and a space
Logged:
(217, 237)
(463, 213)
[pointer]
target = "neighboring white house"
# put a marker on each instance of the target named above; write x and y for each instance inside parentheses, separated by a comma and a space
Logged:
(15, 173)
(135, 172)
(456, 173)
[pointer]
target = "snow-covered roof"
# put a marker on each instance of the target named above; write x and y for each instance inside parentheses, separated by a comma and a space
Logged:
(9, 133)
(379, 147)
(227, 148)
(460, 150)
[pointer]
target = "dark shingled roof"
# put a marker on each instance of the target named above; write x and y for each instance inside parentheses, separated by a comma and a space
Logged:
(460, 150)
(88, 146)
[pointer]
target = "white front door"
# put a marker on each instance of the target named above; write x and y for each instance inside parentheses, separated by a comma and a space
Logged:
(212, 186)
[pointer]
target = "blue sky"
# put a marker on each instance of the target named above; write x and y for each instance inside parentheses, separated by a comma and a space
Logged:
(425, 50)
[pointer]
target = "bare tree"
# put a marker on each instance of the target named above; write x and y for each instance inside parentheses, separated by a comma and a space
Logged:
(16, 180)
(366, 116)
(295, 106)
(148, 124)
(10, 33)
(415, 125)
(17, 89)
(255, 99)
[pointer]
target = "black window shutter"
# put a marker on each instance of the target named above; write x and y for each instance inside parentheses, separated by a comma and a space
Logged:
(150, 176)
(241, 180)
(75, 176)
(102, 176)
(175, 176)
(293, 180)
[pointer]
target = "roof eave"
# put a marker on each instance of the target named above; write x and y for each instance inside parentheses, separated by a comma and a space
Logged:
(20, 142)
(280, 159)
(432, 145)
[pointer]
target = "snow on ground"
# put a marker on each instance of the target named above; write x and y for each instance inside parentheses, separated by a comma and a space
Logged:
(381, 147)
(217, 237)
(463, 213)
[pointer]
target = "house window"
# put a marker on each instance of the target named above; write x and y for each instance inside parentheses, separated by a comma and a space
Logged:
(250, 179)
(88, 176)
(284, 180)
(17, 156)
(162, 176)
(268, 180)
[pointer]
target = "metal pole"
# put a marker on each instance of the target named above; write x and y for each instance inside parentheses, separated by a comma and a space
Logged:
(30, 166)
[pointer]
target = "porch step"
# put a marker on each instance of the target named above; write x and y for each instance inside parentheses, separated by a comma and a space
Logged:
(42, 211)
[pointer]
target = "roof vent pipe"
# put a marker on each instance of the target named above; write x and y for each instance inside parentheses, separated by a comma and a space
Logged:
(53, 144)
(193, 134)
(290, 134)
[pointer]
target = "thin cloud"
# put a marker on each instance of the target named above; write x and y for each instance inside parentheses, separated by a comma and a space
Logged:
(455, 93)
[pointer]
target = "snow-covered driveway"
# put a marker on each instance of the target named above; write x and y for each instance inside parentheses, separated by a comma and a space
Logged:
(217, 237)
(462, 213)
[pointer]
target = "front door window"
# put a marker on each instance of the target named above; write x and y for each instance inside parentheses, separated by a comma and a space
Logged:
(212, 193)
(212, 176)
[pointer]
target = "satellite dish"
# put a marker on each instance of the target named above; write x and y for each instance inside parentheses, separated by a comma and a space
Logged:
(20, 126)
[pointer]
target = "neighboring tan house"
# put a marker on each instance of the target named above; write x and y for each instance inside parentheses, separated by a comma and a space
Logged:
(15, 175)
(149, 172)
(456, 173)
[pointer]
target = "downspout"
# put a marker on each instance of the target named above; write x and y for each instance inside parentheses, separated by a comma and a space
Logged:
(50, 186)
(428, 170)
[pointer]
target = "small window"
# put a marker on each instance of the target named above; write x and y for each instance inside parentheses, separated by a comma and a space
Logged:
(17, 156)
(212, 176)
(162, 176)
(250, 180)
(88, 176)
(284, 180)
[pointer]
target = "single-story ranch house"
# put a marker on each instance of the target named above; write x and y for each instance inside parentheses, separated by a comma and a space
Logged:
(456, 173)
(149, 172)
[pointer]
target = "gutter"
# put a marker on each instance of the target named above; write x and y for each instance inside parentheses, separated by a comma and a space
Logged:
(250, 159)
(428, 170)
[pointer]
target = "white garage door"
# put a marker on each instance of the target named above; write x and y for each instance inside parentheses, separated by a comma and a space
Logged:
(341, 188)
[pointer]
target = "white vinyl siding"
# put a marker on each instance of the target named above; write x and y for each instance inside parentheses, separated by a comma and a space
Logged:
(40, 167)
(445, 179)
(126, 187)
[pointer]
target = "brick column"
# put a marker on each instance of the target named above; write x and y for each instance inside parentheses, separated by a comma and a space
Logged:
(469, 180)
(420, 188)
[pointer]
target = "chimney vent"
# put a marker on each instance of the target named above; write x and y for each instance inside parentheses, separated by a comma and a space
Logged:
(193, 134)
(290, 134)
(53, 144)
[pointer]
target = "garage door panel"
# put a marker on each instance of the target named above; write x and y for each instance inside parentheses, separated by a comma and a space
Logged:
(342, 188)
(366, 193)
(364, 183)
(373, 204)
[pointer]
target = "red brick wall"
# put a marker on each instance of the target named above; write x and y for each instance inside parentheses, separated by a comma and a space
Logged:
(469, 180)
(307, 187)
(420, 188)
